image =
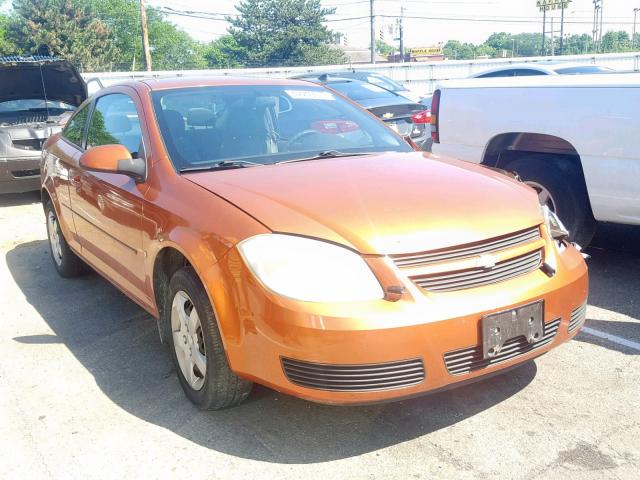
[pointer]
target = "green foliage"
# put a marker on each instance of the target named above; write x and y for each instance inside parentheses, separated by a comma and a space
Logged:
(7, 47)
(70, 30)
(383, 48)
(224, 53)
(283, 32)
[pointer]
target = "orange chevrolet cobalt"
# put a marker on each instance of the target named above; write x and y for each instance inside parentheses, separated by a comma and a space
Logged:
(282, 235)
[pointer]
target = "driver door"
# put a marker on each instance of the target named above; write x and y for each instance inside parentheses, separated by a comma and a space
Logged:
(107, 207)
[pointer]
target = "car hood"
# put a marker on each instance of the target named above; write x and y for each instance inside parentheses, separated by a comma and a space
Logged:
(380, 204)
(23, 80)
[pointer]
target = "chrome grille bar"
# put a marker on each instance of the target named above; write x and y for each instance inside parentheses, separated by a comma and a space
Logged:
(476, 277)
(457, 253)
(466, 360)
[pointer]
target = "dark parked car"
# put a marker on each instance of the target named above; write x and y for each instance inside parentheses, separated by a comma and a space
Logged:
(407, 118)
(370, 77)
(36, 94)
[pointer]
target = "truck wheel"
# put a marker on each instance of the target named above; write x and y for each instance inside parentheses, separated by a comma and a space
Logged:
(560, 187)
(196, 346)
(67, 263)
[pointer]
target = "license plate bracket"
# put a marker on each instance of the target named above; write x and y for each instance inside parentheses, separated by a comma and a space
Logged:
(498, 328)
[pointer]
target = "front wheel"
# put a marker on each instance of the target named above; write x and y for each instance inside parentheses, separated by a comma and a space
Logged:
(197, 349)
(560, 186)
(66, 262)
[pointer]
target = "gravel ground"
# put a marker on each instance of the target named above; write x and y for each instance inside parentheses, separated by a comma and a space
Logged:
(87, 391)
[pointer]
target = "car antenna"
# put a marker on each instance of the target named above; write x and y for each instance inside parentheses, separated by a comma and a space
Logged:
(44, 90)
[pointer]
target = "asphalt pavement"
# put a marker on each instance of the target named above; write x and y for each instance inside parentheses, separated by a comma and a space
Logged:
(87, 391)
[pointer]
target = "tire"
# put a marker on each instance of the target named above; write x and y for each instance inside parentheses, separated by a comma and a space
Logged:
(564, 181)
(65, 261)
(196, 344)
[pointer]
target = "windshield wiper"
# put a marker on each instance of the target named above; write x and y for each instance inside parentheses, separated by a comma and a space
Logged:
(324, 154)
(226, 164)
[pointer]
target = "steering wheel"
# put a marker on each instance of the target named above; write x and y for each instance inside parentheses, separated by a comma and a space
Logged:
(300, 135)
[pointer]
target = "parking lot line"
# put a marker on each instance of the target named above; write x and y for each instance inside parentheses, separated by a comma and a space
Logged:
(612, 338)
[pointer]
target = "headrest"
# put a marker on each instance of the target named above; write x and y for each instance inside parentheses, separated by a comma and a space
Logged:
(175, 121)
(200, 117)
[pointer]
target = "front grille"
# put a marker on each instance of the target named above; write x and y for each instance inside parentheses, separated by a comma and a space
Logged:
(578, 316)
(29, 144)
(466, 360)
(471, 250)
(26, 173)
(477, 277)
(354, 378)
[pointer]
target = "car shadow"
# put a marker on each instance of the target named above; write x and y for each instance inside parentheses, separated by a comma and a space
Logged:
(16, 199)
(118, 344)
(613, 272)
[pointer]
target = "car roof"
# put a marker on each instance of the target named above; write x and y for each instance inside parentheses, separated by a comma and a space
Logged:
(546, 66)
(153, 83)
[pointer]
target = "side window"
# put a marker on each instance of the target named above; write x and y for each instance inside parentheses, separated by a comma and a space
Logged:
(74, 129)
(115, 120)
(527, 72)
(499, 73)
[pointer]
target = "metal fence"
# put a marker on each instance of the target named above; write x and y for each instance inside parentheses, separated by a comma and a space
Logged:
(419, 76)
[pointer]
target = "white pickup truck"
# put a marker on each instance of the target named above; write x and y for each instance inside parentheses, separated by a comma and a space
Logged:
(575, 139)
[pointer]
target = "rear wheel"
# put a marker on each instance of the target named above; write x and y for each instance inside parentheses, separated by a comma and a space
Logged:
(560, 187)
(196, 346)
(67, 263)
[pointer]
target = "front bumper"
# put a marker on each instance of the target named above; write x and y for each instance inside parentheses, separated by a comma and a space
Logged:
(262, 332)
(19, 175)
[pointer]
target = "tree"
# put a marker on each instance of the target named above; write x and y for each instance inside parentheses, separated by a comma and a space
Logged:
(172, 48)
(616, 41)
(283, 32)
(7, 47)
(224, 53)
(70, 30)
(383, 48)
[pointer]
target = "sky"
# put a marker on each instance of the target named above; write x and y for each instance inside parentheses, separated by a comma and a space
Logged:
(464, 20)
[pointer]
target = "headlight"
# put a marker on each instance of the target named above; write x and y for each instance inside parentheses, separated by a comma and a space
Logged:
(310, 270)
(555, 227)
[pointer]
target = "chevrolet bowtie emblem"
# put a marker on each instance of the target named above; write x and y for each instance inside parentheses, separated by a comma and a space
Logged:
(486, 261)
(387, 115)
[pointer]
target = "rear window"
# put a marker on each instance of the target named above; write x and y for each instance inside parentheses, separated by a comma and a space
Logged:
(583, 69)
(360, 91)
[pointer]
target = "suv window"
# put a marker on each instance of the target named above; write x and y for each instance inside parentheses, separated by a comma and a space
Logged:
(74, 130)
(115, 120)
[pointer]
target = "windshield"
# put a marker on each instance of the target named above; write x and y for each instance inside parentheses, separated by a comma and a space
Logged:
(204, 126)
(583, 69)
(28, 105)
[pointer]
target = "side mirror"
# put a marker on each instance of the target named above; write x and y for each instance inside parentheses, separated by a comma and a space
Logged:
(114, 159)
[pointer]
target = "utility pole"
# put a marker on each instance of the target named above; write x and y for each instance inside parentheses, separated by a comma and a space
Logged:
(401, 34)
(633, 37)
(544, 28)
(372, 21)
(145, 37)
(596, 23)
(561, 52)
(601, 12)
(552, 39)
